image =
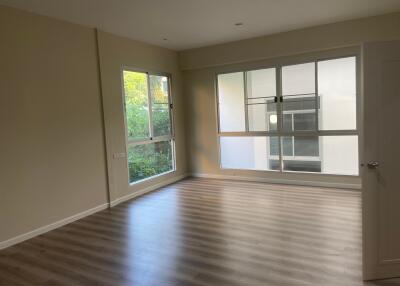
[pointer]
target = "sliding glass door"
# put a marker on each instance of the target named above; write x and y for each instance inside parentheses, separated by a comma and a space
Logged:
(292, 118)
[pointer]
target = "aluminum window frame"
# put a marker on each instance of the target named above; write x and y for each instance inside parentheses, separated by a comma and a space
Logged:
(278, 65)
(151, 139)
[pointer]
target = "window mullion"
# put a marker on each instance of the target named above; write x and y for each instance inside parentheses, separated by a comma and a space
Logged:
(150, 105)
(316, 97)
(246, 112)
(279, 114)
(171, 110)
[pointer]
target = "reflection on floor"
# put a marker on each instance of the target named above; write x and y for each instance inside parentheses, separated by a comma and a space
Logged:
(203, 232)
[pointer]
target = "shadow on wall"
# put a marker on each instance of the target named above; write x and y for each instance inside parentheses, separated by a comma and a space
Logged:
(202, 104)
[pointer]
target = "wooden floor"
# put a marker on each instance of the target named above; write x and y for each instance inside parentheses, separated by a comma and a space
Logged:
(203, 232)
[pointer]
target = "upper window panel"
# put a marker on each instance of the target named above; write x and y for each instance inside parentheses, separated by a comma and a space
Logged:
(160, 109)
(298, 93)
(231, 102)
(298, 79)
(136, 105)
(261, 83)
(337, 92)
(260, 103)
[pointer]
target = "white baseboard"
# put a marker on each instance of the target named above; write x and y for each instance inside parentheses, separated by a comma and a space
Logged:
(57, 224)
(46, 228)
(280, 181)
(147, 190)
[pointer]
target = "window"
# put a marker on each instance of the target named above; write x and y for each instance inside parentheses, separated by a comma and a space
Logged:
(293, 118)
(148, 115)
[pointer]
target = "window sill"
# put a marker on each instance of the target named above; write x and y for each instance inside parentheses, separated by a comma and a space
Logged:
(151, 178)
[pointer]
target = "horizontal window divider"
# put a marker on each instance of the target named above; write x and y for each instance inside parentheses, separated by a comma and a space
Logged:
(251, 98)
(150, 140)
(302, 158)
(297, 111)
(289, 134)
(298, 94)
(248, 134)
(262, 103)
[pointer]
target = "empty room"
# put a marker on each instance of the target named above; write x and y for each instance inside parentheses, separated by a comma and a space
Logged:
(199, 143)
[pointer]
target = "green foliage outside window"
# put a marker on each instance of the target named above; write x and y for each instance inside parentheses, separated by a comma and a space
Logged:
(153, 158)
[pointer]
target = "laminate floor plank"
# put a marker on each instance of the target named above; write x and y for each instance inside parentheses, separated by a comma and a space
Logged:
(203, 232)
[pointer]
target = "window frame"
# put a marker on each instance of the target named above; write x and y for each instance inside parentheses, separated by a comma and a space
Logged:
(278, 64)
(151, 139)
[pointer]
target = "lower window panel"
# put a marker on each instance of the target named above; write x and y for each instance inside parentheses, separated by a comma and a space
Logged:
(151, 159)
(297, 165)
(317, 154)
(247, 153)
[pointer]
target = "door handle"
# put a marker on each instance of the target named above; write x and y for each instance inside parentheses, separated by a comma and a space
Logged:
(373, 165)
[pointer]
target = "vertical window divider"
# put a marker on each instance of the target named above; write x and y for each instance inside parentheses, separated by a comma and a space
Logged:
(279, 113)
(316, 98)
(150, 107)
(246, 114)
(317, 107)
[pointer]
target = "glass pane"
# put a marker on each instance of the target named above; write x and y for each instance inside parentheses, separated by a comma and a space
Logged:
(299, 113)
(274, 146)
(287, 146)
(261, 113)
(159, 88)
(231, 102)
(339, 155)
(261, 108)
(304, 121)
(326, 154)
(302, 166)
(136, 105)
(251, 153)
(288, 122)
(296, 103)
(298, 79)
(148, 160)
(306, 146)
(161, 119)
(337, 90)
(261, 83)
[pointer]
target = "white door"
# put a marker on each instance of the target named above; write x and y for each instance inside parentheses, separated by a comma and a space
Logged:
(381, 172)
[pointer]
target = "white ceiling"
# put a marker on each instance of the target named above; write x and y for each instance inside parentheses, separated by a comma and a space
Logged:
(194, 23)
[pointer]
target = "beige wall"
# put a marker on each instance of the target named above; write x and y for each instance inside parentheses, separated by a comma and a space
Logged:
(52, 152)
(116, 52)
(201, 65)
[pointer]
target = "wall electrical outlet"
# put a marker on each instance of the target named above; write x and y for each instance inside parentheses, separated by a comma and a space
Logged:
(119, 155)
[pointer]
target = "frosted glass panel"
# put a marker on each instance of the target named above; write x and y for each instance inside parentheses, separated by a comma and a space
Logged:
(337, 91)
(251, 153)
(231, 102)
(261, 83)
(261, 107)
(298, 79)
(299, 101)
(339, 155)
(324, 154)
